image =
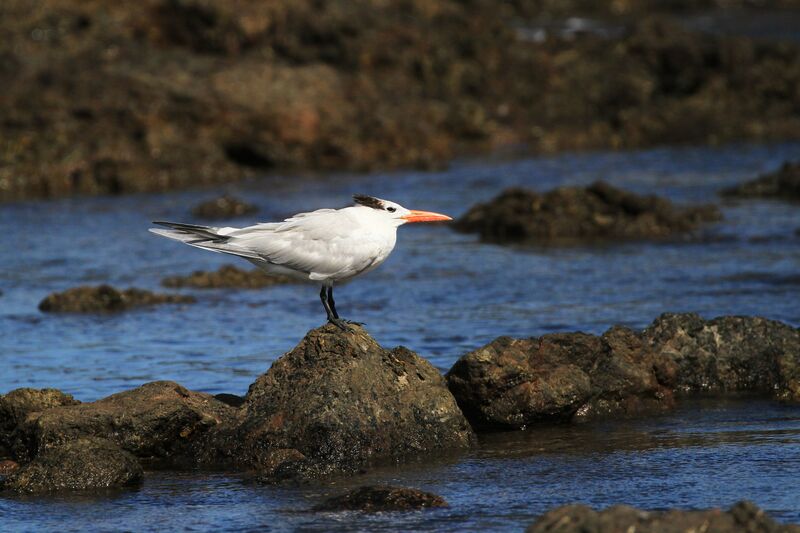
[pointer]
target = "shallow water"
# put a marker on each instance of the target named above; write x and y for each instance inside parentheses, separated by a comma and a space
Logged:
(442, 294)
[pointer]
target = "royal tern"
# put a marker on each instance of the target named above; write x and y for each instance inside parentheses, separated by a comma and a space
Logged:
(324, 246)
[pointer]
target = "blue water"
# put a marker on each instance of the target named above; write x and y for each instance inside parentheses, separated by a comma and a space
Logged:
(441, 294)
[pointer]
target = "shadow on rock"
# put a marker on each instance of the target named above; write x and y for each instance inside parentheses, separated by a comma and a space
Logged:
(106, 299)
(579, 215)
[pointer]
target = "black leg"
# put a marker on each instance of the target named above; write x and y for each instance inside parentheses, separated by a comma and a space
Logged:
(331, 303)
(333, 318)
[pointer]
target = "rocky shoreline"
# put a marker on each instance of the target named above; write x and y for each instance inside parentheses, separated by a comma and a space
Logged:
(112, 98)
(339, 402)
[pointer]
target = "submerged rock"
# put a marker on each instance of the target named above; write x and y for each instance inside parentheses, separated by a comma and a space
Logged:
(227, 277)
(85, 463)
(159, 420)
(19, 403)
(783, 184)
(374, 499)
(340, 399)
(728, 354)
(511, 383)
(743, 517)
(574, 215)
(223, 207)
(105, 299)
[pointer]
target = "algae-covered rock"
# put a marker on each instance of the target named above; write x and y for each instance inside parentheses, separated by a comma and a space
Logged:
(19, 403)
(81, 464)
(728, 354)
(340, 399)
(227, 277)
(511, 383)
(373, 499)
(159, 420)
(577, 215)
(106, 299)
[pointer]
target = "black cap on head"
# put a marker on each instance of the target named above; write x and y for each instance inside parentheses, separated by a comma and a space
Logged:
(368, 201)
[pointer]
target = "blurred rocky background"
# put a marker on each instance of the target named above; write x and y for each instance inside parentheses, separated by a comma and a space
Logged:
(113, 97)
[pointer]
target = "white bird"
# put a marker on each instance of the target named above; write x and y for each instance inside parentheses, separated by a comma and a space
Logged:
(325, 246)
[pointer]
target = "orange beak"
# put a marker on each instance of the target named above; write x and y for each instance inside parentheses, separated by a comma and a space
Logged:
(425, 216)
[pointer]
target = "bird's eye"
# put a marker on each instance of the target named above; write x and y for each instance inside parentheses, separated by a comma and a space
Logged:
(391, 209)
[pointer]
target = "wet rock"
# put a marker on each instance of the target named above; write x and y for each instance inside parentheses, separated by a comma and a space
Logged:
(86, 463)
(19, 403)
(105, 299)
(742, 517)
(223, 207)
(373, 499)
(159, 420)
(574, 215)
(728, 354)
(340, 399)
(511, 383)
(227, 277)
(783, 184)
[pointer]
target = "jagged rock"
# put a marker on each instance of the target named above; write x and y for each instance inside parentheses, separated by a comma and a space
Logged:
(104, 298)
(573, 215)
(19, 403)
(511, 383)
(728, 353)
(744, 517)
(85, 463)
(227, 277)
(223, 207)
(340, 399)
(159, 420)
(374, 499)
(783, 184)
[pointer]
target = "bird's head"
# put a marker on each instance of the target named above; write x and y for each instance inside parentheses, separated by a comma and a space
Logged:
(396, 214)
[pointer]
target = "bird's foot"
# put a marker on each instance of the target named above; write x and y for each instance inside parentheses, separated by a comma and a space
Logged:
(343, 324)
